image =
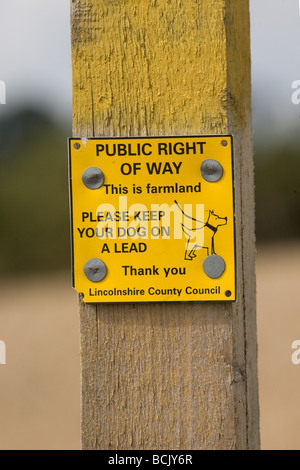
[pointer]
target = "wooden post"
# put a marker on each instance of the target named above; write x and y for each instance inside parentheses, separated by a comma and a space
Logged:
(170, 376)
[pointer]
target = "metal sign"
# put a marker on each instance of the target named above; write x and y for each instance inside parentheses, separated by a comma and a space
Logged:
(153, 219)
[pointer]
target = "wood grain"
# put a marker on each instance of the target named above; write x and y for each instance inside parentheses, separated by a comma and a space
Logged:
(169, 376)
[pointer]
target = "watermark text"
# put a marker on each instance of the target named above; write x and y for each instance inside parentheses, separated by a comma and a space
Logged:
(2, 353)
(296, 354)
(296, 93)
(2, 92)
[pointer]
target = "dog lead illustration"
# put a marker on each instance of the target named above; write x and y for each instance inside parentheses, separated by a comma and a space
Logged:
(210, 228)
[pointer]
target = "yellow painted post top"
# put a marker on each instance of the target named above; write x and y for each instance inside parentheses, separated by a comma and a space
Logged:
(152, 77)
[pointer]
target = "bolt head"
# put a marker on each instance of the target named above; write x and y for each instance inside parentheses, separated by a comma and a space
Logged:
(95, 270)
(214, 266)
(93, 178)
(211, 171)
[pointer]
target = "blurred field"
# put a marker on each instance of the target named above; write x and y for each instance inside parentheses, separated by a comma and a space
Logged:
(39, 392)
(278, 281)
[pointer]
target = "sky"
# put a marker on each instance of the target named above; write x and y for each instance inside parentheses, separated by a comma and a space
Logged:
(275, 49)
(35, 53)
(35, 58)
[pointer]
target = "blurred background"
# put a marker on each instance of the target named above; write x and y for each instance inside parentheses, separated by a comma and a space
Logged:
(39, 386)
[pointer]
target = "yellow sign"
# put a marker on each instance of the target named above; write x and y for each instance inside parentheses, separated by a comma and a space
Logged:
(153, 219)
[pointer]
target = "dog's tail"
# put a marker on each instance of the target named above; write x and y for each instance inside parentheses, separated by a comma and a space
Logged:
(187, 216)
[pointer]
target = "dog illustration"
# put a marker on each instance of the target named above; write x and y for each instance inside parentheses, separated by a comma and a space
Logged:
(210, 228)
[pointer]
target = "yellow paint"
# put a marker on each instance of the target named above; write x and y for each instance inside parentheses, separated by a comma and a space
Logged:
(134, 223)
(163, 70)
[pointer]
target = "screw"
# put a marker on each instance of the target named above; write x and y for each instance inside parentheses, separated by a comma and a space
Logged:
(95, 270)
(211, 171)
(77, 146)
(224, 143)
(214, 266)
(93, 178)
(228, 293)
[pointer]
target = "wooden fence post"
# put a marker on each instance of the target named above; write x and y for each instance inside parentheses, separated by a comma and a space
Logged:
(170, 376)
